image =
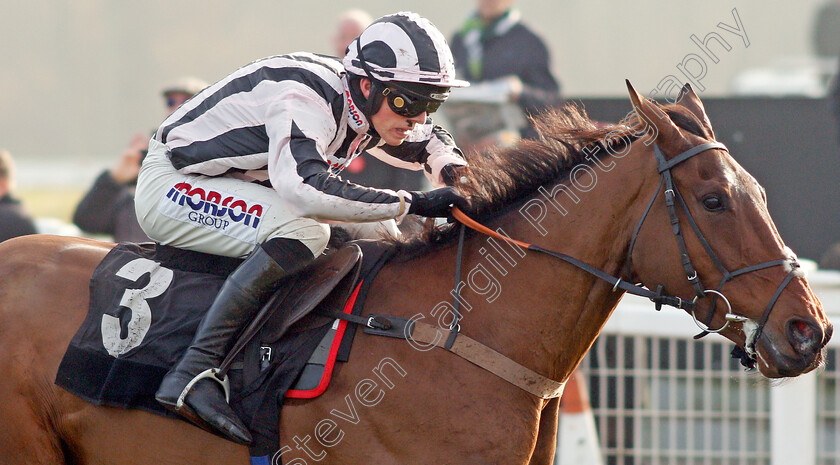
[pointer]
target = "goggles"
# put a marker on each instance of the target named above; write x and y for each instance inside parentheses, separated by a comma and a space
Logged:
(410, 106)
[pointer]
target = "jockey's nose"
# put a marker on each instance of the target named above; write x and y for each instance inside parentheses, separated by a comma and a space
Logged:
(419, 119)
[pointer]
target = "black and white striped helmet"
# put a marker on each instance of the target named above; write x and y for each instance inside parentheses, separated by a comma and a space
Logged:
(403, 47)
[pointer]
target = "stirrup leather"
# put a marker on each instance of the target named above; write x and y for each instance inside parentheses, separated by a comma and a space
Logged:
(210, 374)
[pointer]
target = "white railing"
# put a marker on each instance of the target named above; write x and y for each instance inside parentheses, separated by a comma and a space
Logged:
(659, 397)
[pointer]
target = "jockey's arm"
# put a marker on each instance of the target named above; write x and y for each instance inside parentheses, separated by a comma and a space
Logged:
(301, 128)
(428, 147)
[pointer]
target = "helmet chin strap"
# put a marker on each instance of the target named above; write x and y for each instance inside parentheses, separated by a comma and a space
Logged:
(368, 105)
(374, 100)
(375, 97)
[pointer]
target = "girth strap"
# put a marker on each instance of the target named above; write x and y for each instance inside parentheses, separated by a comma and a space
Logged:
(465, 347)
(492, 361)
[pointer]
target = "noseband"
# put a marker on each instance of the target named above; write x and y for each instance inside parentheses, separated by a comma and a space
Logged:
(747, 355)
(673, 198)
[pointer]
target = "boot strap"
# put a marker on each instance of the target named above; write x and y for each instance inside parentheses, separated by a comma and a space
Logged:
(211, 374)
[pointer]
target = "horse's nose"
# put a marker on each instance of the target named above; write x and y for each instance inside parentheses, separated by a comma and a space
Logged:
(806, 337)
(829, 330)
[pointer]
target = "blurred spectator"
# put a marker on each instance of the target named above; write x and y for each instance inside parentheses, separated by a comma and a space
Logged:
(495, 48)
(108, 207)
(825, 37)
(831, 258)
(14, 220)
(350, 24)
(834, 100)
(181, 90)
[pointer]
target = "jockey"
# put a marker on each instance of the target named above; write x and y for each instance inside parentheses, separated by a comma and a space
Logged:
(247, 168)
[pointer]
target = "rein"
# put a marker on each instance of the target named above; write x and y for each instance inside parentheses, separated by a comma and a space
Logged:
(546, 388)
(672, 198)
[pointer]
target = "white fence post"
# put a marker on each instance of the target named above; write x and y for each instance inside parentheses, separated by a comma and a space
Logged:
(793, 426)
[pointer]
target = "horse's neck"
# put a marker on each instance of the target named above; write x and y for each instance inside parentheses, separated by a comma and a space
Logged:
(548, 313)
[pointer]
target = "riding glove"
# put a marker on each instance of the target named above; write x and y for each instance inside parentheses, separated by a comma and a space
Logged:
(451, 173)
(436, 203)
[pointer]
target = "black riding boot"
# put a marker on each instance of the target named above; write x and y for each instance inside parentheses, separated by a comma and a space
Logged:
(240, 298)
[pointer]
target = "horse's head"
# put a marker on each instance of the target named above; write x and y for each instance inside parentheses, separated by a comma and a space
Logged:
(708, 239)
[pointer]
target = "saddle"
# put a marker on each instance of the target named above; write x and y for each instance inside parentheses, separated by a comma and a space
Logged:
(325, 285)
(289, 349)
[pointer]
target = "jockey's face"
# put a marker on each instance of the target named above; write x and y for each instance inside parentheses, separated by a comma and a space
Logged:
(392, 127)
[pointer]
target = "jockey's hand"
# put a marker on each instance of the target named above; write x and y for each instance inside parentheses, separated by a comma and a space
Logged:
(451, 174)
(436, 203)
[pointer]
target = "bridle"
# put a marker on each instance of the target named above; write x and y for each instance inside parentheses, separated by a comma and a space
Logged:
(673, 198)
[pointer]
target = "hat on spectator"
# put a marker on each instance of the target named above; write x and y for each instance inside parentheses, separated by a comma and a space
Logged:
(187, 85)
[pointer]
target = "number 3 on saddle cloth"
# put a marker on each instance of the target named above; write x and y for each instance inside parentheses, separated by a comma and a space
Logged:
(146, 303)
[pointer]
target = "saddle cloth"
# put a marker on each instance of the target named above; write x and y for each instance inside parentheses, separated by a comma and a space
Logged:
(145, 306)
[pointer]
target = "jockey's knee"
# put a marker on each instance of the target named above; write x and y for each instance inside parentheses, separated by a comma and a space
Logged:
(290, 254)
(313, 235)
(318, 239)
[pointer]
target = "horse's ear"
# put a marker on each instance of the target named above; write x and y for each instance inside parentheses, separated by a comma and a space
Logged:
(666, 132)
(634, 96)
(692, 102)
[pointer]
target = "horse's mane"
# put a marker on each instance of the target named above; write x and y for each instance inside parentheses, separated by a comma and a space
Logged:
(498, 179)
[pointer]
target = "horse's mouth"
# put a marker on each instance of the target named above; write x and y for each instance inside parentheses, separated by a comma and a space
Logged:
(774, 363)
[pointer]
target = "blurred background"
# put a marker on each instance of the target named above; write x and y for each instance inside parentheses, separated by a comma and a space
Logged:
(79, 78)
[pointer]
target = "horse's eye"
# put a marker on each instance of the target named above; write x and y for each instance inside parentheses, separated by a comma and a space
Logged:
(713, 203)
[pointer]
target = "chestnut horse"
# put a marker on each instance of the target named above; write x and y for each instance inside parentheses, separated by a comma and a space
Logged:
(599, 195)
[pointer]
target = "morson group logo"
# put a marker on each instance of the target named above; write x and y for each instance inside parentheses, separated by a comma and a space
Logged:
(212, 209)
(354, 111)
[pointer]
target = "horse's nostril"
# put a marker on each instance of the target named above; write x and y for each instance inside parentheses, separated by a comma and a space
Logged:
(804, 336)
(801, 326)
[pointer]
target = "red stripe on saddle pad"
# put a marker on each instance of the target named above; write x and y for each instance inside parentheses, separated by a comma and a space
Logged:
(336, 342)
